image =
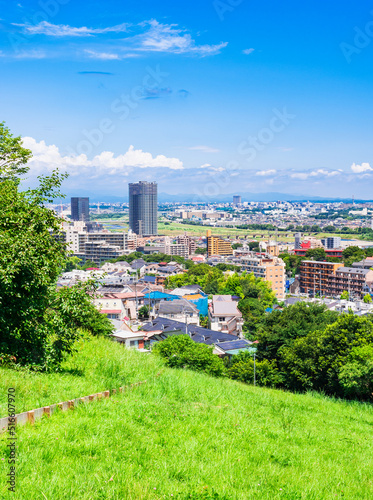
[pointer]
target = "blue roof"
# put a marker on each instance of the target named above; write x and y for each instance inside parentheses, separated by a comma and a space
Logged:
(160, 295)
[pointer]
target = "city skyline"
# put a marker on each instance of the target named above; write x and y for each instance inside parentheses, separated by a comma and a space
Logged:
(226, 102)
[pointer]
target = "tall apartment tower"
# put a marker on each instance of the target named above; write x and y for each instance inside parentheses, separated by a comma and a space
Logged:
(237, 200)
(143, 205)
(298, 240)
(80, 209)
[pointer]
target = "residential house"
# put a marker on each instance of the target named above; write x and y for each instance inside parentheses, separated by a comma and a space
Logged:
(224, 315)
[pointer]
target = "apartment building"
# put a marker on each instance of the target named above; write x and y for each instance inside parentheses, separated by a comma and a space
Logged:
(329, 278)
(357, 282)
(315, 276)
(271, 269)
(189, 242)
(90, 242)
(216, 245)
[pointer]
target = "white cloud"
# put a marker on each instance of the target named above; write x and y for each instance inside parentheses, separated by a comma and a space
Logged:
(358, 169)
(266, 172)
(169, 38)
(204, 149)
(62, 30)
(31, 54)
(205, 165)
(323, 172)
(103, 56)
(300, 175)
(248, 51)
(48, 157)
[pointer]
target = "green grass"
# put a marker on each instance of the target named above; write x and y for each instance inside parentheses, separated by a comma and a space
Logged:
(182, 432)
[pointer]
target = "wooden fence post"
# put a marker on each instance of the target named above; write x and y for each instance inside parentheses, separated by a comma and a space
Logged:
(31, 417)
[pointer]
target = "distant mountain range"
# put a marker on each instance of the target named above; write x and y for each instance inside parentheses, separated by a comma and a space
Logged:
(223, 198)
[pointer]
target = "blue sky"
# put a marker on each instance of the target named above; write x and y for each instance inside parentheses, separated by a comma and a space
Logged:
(208, 97)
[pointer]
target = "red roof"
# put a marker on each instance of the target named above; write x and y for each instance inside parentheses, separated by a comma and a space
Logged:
(110, 311)
(93, 269)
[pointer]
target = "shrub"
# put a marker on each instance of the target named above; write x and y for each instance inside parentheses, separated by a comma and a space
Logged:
(180, 351)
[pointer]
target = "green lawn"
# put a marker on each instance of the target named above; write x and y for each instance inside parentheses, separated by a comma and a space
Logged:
(183, 433)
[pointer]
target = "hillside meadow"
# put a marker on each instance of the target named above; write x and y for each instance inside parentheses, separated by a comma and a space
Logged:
(182, 435)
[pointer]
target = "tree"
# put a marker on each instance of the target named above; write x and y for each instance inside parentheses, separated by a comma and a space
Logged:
(242, 368)
(204, 321)
(367, 299)
(281, 328)
(144, 312)
(318, 361)
(39, 324)
(345, 295)
(201, 251)
(180, 351)
(356, 376)
(318, 254)
(13, 156)
(236, 245)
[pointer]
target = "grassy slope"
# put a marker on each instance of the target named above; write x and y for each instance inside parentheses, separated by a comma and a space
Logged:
(183, 431)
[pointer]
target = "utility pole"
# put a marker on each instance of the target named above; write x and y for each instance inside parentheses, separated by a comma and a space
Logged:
(254, 370)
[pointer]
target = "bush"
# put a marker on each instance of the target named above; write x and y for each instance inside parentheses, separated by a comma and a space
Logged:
(242, 369)
(180, 351)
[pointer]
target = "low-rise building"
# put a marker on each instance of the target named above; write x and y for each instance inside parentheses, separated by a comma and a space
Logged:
(224, 315)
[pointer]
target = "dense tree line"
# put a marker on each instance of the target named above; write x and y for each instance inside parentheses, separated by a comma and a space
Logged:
(304, 347)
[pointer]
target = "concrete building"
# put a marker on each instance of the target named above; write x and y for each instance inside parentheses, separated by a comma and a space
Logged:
(143, 208)
(315, 276)
(297, 241)
(80, 209)
(271, 269)
(96, 245)
(331, 242)
(217, 245)
(237, 200)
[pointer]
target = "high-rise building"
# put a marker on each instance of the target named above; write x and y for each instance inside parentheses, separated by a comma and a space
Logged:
(237, 200)
(298, 241)
(80, 209)
(216, 245)
(143, 208)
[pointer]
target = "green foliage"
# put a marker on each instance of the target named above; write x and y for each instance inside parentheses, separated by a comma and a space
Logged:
(201, 251)
(180, 434)
(356, 376)
(204, 321)
(13, 156)
(242, 369)
(236, 245)
(318, 254)
(39, 324)
(144, 312)
(72, 263)
(336, 360)
(281, 328)
(292, 263)
(180, 351)
(367, 299)
(345, 295)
